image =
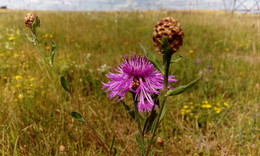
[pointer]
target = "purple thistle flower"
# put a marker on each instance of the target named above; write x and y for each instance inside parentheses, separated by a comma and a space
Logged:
(138, 76)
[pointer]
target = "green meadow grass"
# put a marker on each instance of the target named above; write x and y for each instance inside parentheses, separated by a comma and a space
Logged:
(219, 116)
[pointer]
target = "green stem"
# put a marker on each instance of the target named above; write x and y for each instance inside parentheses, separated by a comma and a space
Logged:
(137, 117)
(166, 63)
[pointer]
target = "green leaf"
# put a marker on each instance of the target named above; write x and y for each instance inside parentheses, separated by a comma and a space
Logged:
(36, 23)
(153, 59)
(149, 122)
(112, 144)
(176, 60)
(140, 143)
(164, 109)
(53, 51)
(129, 110)
(181, 89)
(115, 151)
(64, 83)
(77, 116)
(31, 40)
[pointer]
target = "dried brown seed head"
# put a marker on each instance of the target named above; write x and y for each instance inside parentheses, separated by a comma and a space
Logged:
(171, 29)
(29, 19)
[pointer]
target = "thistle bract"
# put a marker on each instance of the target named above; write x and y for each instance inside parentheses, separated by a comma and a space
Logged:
(138, 76)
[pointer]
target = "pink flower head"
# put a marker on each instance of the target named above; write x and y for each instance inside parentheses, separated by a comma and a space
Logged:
(137, 75)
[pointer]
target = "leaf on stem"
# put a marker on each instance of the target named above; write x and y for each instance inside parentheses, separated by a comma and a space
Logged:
(31, 40)
(177, 60)
(77, 116)
(53, 51)
(164, 109)
(112, 145)
(129, 110)
(149, 122)
(153, 59)
(181, 89)
(64, 83)
(140, 143)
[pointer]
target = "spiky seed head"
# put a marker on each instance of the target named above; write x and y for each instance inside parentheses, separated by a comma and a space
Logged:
(29, 19)
(171, 29)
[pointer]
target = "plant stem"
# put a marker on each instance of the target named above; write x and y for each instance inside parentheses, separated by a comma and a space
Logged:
(166, 63)
(97, 137)
(137, 118)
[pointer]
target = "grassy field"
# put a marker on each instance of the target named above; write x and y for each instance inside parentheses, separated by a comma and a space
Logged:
(220, 116)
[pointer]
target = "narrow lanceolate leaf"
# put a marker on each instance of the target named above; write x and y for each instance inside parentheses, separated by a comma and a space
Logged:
(112, 145)
(53, 51)
(149, 122)
(129, 110)
(153, 59)
(64, 83)
(181, 89)
(164, 109)
(176, 60)
(140, 143)
(77, 116)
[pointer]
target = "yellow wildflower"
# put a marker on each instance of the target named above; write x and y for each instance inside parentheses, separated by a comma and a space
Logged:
(48, 48)
(15, 55)
(18, 77)
(182, 111)
(32, 79)
(45, 36)
(187, 111)
(191, 51)
(217, 110)
(206, 106)
(11, 38)
(1, 54)
(20, 96)
(51, 36)
(226, 104)
(185, 106)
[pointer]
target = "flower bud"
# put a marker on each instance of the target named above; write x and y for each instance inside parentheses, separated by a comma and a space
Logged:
(171, 29)
(29, 19)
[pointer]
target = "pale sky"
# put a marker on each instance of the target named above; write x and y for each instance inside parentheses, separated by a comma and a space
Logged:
(90, 5)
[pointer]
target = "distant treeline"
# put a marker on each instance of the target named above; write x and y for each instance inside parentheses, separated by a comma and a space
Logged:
(3, 7)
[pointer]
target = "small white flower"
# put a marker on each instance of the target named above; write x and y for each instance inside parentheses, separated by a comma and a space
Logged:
(103, 68)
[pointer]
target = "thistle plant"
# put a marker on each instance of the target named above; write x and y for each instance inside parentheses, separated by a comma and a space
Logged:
(148, 79)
